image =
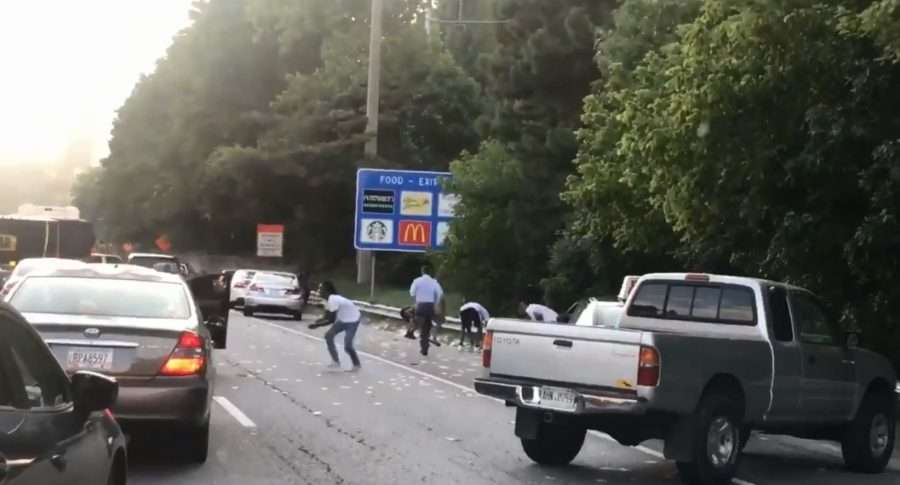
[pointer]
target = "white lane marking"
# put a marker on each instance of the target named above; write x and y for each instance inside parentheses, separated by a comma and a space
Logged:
(642, 449)
(235, 413)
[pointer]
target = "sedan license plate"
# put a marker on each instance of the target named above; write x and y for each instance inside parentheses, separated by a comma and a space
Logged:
(557, 398)
(88, 358)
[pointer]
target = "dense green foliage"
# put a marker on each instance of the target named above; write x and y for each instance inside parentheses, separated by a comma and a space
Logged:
(763, 141)
(536, 77)
(756, 137)
(257, 114)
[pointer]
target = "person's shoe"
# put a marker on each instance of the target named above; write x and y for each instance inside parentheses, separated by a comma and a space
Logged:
(435, 342)
(334, 366)
(355, 368)
(424, 352)
(410, 336)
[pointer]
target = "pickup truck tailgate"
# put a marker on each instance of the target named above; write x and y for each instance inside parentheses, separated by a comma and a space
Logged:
(565, 354)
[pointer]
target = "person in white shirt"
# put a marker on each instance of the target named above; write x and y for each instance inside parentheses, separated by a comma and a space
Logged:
(427, 295)
(537, 312)
(472, 314)
(343, 316)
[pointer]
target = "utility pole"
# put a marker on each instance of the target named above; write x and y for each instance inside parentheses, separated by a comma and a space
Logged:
(365, 260)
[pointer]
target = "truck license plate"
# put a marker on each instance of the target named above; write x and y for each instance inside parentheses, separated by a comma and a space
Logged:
(100, 359)
(557, 398)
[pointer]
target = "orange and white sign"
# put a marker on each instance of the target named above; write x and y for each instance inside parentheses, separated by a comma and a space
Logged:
(270, 240)
(414, 233)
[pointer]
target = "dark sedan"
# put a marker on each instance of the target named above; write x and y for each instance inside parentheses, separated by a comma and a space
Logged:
(53, 430)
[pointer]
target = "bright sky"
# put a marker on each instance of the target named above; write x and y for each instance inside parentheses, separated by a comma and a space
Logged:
(68, 65)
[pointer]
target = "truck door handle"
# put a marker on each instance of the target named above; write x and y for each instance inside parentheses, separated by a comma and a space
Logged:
(563, 343)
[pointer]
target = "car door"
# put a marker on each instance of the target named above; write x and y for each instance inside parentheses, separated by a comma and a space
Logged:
(212, 298)
(50, 442)
(829, 371)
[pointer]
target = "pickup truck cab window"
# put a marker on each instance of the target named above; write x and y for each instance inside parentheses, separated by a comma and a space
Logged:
(650, 300)
(812, 321)
(710, 303)
(781, 315)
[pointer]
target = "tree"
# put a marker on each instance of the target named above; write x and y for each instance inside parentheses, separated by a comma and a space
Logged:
(536, 77)
(762, 142)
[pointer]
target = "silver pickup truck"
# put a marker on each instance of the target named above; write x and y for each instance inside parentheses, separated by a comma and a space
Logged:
(698, 361)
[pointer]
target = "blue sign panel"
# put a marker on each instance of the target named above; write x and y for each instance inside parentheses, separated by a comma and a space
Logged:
(402, 210)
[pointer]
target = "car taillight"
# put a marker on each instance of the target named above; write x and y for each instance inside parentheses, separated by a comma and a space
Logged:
(188, 358)
(486, 346)
(256, 288)
(241, 285)
(648, 367)
(293, 291)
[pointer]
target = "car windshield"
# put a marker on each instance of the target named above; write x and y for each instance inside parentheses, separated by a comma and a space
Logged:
(102, 297)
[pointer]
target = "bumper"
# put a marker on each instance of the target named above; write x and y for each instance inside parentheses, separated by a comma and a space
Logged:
(265, 303)
(175, 399)
(587, 401)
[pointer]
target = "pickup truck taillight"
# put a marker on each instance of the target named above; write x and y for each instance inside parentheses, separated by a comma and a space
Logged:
(648, 367)
(486, 349)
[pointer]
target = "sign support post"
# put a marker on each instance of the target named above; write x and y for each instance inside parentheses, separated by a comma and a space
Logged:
(372, 280)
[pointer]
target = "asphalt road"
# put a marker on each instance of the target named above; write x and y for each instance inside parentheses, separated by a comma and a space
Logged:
(280, 418)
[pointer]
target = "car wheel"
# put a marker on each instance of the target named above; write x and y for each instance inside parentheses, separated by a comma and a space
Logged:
(555, 445)
(248, 312)
(198, 443)
(717, 442)
(297, 315)
(869, 439)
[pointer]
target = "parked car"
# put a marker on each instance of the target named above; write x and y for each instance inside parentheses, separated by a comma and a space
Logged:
(138, 325)
(100, 258)
(53, 430)
(33, 264)
(698, 361)
(274, 292)
(240, 283)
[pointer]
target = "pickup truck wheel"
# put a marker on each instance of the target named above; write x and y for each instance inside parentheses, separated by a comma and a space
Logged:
(869, 439)
(717, 442)
(555, 445)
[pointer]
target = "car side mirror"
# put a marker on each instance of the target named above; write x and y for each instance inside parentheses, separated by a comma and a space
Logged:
(93, 392)
(851, 340)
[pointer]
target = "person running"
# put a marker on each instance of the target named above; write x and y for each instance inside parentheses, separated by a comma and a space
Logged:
(343, 316)
(537, 312)
(427, 295)
(472, 314)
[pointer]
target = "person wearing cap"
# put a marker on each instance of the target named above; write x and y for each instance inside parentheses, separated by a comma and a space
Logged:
(427, 295)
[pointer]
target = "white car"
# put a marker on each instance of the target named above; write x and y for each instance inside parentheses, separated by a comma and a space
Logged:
(274, 292)
(240, 282)
(29, 265)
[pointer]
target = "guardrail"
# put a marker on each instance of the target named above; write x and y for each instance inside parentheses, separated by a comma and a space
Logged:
(450, 323)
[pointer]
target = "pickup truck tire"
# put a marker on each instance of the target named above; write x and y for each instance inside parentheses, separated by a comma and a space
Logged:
(555, 445)
(717, 442)
(869, 439)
